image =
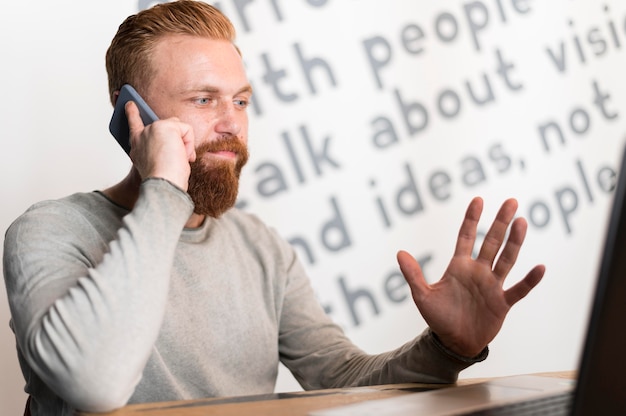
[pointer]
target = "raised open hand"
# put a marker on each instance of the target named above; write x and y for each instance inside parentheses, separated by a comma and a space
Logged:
(467, 307)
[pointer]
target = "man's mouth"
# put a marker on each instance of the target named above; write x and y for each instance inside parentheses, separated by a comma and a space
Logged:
(226, 153)
(230, 149)
(229, 154)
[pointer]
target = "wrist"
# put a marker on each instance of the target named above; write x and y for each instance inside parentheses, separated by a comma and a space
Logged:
(481, 356)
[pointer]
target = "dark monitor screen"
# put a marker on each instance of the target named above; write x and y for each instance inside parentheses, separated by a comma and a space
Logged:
(601, 388)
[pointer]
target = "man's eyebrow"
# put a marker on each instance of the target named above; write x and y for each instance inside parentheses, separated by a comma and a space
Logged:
(210, 90)
(215, 90)
(247, 89)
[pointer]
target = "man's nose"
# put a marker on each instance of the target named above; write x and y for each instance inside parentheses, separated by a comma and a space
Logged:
(228, 119)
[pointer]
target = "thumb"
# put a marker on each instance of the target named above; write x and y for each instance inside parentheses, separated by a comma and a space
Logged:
(412, 272)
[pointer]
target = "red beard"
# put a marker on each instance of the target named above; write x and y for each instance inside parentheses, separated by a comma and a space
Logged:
(213, 186)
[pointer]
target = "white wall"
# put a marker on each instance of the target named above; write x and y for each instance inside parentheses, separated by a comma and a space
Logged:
(312, 66)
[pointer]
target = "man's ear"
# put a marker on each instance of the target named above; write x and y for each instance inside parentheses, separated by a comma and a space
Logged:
(116, 95)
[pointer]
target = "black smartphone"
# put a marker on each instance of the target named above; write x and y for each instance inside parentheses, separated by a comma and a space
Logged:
(119, 123)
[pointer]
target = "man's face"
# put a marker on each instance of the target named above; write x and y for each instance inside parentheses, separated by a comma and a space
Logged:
(203, 83)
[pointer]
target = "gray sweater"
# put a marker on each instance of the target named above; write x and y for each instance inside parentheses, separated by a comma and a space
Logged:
(111, 306)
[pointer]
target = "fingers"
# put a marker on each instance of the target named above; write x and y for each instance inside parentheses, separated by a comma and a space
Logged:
(135, 123)
(134, 119)
(163, 149)
(495, 236)
(467, 233)
(136, 126)
(508, 257)
(523, 287)
(189, 142)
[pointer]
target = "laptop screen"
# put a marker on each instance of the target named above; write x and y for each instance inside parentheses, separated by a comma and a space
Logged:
(600, 389)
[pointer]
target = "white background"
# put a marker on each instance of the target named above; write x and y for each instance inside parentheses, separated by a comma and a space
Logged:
(55, 113)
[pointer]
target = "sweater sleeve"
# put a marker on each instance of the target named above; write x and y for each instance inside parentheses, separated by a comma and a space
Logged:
(320, 355)
(87, 329)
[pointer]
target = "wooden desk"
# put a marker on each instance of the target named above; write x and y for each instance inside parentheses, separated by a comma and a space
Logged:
(279, 404)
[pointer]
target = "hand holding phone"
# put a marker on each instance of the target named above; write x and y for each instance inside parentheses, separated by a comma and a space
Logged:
(118, 125)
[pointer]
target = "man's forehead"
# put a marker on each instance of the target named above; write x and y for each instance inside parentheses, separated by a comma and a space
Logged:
(196, 57)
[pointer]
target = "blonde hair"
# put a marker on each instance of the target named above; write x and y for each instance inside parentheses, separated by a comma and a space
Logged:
(128, 59)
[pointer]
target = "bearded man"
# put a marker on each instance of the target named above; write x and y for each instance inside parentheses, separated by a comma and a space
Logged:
(157, 289)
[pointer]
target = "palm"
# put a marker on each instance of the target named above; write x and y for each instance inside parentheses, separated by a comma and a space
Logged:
(467, 307)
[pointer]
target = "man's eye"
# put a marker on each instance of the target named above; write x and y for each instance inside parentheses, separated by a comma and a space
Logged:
(241, 103)
(203, 101)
